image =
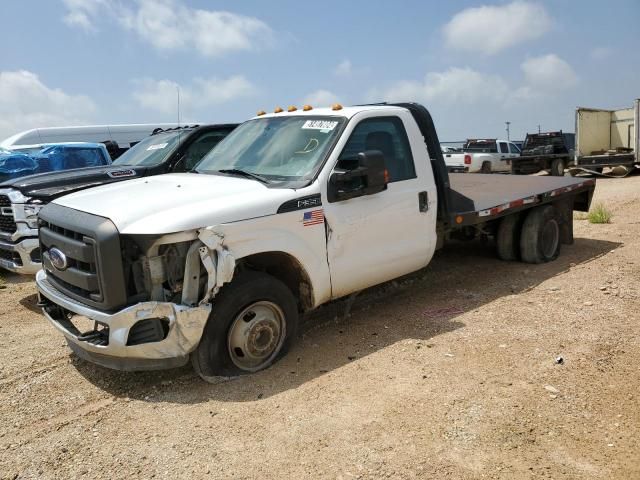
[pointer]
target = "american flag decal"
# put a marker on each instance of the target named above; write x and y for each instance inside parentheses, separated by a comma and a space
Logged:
(313, 217)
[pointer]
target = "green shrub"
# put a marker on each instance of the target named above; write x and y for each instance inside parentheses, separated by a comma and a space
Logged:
(600, 214)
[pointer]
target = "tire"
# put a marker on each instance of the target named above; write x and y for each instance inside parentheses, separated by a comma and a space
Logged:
(508, 238)
(486, 167)
(557, 167)
(228, 347)
(540, 235)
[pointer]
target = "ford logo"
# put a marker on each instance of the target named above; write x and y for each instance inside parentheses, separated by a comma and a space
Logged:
(58, 259)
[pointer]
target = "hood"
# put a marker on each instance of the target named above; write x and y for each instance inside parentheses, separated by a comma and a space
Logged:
(47, 186)
(179, 202)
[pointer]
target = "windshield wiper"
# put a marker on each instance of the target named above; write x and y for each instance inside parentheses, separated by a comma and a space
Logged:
(244, 173)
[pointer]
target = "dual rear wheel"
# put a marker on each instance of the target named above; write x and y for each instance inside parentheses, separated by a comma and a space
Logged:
(532, 237)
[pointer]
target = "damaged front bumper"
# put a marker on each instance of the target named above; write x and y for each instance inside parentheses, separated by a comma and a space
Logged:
(146, 336)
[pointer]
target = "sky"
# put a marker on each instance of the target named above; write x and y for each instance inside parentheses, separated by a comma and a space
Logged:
(474, 64)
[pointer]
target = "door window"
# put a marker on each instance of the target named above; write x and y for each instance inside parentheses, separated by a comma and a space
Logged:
(198, 149)
(513, 148)
(503, 147)
(386, 134)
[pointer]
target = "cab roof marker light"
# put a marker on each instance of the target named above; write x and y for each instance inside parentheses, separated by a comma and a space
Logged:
(292, 108)
(336, 106)
(278, 110)
(306, 108)
(260, 113)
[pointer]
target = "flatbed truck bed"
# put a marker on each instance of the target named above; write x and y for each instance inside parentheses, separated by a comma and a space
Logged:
(480, 198)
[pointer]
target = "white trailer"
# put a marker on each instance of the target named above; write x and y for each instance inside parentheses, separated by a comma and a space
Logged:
(607, 138)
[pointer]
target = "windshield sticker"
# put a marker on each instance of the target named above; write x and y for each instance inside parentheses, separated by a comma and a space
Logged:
(157, 146)
(324, 126)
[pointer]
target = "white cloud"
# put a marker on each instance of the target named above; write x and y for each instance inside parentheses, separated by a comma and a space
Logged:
(162, 95)
(169, 25)
(490, 29)
(26, 102)
(549, 73)
(321, 98)
(80, 13)
(344, 69)
(456, 85)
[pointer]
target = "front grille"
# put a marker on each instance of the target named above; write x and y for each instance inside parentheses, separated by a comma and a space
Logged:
(7, 222)
(91, 246)
(80, 275)
(11, 257)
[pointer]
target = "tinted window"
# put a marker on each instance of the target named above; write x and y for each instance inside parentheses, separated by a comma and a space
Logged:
(388, 135)
(503, 147)
(203, 145)
(481, 146)
(153, 150)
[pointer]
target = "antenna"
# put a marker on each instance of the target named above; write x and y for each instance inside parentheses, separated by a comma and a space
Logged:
(178, 90)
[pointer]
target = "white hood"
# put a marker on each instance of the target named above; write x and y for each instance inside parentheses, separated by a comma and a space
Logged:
(178, 202)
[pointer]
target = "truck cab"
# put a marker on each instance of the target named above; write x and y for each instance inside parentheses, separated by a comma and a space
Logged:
(167, 150)
(290, 211)
(483, 156)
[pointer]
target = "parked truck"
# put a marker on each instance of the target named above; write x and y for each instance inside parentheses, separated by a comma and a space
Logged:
(176, 149)
(607, 138)
(550, 151)
(482, 156)
(290, 211)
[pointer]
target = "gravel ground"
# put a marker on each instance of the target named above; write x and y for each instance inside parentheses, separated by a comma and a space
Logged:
(449, 373)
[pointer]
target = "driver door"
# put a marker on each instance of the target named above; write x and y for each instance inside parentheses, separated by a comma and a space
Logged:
(375, 238)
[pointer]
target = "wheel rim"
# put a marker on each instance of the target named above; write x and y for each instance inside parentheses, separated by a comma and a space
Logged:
(256, 336)
(550, 238)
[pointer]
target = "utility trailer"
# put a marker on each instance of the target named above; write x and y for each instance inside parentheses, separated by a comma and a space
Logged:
(292, 210)
(607, 138)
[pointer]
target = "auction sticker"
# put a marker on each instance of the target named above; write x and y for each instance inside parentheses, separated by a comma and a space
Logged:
(324, 125)
(157, 146)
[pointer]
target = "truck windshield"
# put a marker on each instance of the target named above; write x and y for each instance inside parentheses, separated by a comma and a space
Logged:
(152, 150)
(278, 149)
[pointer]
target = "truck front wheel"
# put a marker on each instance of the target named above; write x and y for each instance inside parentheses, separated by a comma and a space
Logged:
(253, 323)
(557, 167)
(540, 235)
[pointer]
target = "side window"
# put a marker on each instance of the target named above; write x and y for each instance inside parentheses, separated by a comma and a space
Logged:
(388, 135)
(513, 148)
(198, 149)
(503, 147)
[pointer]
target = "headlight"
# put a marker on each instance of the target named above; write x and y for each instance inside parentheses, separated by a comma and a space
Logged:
(31, 214)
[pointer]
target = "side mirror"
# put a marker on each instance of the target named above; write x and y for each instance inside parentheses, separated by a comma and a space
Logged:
(366, 174)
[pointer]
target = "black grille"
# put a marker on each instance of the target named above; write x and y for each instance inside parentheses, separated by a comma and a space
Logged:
(11, 256)
(7, 223)
(93, 273)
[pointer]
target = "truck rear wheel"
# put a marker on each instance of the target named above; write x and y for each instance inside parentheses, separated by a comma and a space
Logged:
(540, 235)
(508, 238)
(486, 167)
(253, 323)
(557, 167)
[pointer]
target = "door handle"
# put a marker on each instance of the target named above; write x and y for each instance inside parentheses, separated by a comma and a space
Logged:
(423, 201)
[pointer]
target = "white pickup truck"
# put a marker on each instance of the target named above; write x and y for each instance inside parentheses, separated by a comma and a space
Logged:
(482, 156)
(290, 211)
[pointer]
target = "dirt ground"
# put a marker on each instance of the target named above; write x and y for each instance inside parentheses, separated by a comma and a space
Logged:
(450, 373)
